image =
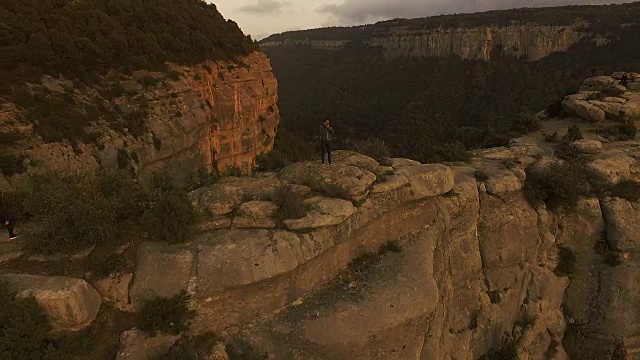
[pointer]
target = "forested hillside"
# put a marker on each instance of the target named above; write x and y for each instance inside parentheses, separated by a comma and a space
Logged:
(82, 38)
(433, 109)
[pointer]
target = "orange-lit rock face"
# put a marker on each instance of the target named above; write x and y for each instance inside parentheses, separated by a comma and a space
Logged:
(244, 114)
(215, 114)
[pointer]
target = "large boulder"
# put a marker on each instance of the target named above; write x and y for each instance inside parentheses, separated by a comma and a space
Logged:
(69, 304)
(611, 109)
(229, 259)
(391, 182)
(355, 159)
(611, 167)
(226, 195)
(632, 109)
(161, 271)
(502, 182)
(587, 146)
(428, 180)
(336, 180)
(623, 224)
(605, 84)
(584, 110)
(322, 212)
(138, 345)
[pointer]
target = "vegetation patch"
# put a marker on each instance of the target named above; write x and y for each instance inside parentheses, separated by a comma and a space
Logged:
(290, 203)
(166, 315)
(168, 213)
(375, 148)
(272, 161)
(72, 213)
(566, 262)
(618, 132)
(481, 175)
(559, 185)
(104, 264)
(25, 332)
(12, 164)
(628, 190)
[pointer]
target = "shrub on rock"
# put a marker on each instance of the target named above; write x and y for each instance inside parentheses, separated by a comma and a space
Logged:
(168, 214)
(557, 185)
(290, 203)
(166, 315)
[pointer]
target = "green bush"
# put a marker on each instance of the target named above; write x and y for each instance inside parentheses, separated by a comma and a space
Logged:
(272, 161)
(373, 148)
(290, 203)
(526, 122)
(191, 347)
(168, 213)
(166, 315)
(234, 171)
(573, 134)
(72, 213)
(628, 190)
(566, 151)
(560, 185)
(75, 212)
(566, 262)
(12, 164)
(102, 265)
(481, 175)
(619, 132)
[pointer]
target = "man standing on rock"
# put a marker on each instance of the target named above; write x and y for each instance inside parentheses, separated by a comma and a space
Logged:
(624, 79)
(326, 135)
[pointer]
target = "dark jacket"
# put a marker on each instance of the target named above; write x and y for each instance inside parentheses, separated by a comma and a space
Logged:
(326, 134)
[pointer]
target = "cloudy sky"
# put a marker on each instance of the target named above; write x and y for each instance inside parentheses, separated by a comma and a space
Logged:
(261, 18)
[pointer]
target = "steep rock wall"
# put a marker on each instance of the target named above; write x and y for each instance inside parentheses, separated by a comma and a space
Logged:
(473, 266)
(529, 41)
(216, 114)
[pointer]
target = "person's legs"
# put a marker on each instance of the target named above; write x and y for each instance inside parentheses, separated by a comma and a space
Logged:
(11, 234)
(323, 149)
(329, 151)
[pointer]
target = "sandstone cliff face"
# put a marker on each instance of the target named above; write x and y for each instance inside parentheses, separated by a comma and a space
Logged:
(529, 41)
(411, 261)
(215, 114)
(472, 266)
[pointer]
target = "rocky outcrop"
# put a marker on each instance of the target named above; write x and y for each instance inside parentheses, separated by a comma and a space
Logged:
(468, 265)
(215, 114)
(412, 261)
(529, 41)
(603, 97)
(69, 304)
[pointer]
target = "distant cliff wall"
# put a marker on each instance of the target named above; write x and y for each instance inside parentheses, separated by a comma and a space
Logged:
(529, 41)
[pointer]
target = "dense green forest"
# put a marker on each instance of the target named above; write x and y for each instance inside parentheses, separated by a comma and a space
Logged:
(561, 15)
(82, 38)
(433, 109)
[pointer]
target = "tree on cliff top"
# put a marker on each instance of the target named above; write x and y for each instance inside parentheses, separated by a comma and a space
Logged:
(79, 38)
